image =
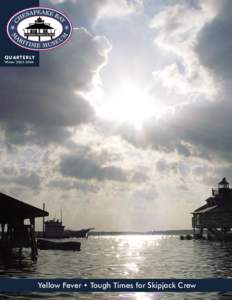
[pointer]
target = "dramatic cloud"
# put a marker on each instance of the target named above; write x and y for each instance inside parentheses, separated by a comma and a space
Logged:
(214, 43)
(197, 125)
(163, 166)
(185, 76)
(45, 102)
(67, 184)
(201, 129)
(94, 10)
(120, 8)
(85, 168)
(72, 155)
(26, 179)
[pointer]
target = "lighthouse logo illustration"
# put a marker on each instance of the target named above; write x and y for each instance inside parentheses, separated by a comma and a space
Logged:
(39, 29)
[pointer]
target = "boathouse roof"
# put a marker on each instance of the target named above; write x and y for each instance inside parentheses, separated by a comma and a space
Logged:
(221, 198)
(201, 208)
(206, 209)
(12, 209)
(217, 211)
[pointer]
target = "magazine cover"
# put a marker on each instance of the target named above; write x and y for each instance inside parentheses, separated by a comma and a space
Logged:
(115, 149)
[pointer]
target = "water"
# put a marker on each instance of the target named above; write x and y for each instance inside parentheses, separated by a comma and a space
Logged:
(128, 257)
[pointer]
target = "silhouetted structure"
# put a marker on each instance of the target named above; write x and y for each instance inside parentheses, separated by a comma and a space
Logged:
(50, 245)
(39, 29)
(54, 229)
(83, 233)
(215, 215)
(14, 233)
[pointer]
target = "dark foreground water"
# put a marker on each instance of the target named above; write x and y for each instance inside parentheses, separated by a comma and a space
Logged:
(128, 257)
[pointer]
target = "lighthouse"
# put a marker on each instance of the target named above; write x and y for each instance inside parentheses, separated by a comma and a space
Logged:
(215, 216)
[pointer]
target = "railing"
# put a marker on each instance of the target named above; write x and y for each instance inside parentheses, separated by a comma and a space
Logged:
(39, 34)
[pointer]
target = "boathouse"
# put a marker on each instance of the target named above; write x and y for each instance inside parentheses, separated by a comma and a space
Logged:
(215, 217)
(17, 221)
(39, 29)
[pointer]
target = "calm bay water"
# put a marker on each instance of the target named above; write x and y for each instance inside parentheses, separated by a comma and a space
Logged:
(128, 257)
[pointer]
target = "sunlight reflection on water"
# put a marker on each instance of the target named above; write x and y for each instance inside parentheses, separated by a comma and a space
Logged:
(128, 257)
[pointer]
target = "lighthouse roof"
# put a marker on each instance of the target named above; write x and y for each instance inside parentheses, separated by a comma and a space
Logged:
(224, 181)
(39, 24)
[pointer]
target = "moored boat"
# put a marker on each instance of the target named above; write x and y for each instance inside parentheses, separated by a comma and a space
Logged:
(54, 229)
(43, 244)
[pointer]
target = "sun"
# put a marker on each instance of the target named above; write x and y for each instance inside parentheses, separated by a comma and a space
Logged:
(129, 103)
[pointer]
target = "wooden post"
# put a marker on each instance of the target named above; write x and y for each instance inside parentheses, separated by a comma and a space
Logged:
(194, 232)
(7, 236)
(34, 250)
(43, 220)
(3, 229)
(201, 233)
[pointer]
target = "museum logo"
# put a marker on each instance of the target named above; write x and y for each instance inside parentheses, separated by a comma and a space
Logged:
(39, 29)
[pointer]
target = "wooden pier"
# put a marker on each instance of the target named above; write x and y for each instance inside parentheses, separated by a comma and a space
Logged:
(15, 234)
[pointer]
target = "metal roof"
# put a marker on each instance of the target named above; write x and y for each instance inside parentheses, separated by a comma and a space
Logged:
(207, 209)
(12, 209)
(200, 208)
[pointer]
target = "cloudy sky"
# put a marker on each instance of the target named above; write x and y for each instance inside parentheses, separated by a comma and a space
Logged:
(128, 126)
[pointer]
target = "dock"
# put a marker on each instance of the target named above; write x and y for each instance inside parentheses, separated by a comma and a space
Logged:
(15, 234)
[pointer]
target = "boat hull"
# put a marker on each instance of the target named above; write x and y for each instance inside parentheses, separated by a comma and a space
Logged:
(50, 245)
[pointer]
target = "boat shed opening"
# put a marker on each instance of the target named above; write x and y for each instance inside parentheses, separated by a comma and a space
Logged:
(14, 232)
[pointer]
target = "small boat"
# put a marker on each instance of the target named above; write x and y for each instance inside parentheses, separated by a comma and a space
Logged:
(50, 245)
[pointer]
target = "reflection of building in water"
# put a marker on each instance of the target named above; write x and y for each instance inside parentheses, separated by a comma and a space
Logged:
(39, 29)
(54, 229)
(216, 215)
